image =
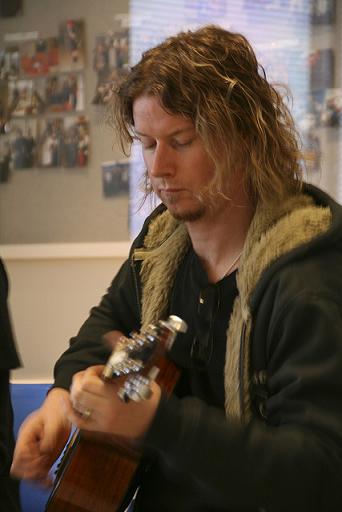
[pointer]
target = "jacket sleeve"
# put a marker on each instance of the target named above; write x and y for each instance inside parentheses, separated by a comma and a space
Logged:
(291, 461)
(9, 358)
(119, 310)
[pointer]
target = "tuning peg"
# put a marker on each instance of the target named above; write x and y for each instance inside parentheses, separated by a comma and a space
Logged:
(177, 324)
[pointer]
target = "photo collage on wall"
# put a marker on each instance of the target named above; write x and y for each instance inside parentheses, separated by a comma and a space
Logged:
(42, 121)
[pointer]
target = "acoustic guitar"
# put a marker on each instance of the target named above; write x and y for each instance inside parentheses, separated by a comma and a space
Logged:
(100, 473)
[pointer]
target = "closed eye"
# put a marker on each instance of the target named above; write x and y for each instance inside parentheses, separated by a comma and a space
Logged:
(149, 146)
(146, 144)
(181, 144)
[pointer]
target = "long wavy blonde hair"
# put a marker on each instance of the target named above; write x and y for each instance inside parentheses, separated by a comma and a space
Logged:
(212, 76)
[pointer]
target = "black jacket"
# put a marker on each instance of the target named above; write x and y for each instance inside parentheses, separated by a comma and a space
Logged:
(8, 354)
(287, 454)
(9, 489)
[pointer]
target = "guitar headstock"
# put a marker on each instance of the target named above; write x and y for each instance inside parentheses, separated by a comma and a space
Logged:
(134, 357)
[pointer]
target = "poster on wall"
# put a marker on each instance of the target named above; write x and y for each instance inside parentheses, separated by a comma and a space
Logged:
(72, 45)
(5, 159)
(321, 65)
(50, 142)
(39, 57)
(63, 142)
(64, 93)
(9, 63)
(323, 12)
(76, 141)
(22, 135)
(3, 105)
(332, 108)
(110, 62)
(11, 8)
(24, 98)
(115, 178)
(322, 77)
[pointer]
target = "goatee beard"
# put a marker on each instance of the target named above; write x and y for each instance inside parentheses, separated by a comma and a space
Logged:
(190, 216)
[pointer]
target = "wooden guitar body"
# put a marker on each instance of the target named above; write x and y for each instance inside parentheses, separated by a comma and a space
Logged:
(98, 476)
(99, 473)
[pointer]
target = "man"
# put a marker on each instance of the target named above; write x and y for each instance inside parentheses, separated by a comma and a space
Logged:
(9, 489)
(251, 259)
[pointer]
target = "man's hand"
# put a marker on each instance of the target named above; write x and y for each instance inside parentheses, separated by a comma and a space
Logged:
(94, 405)
(41, 439)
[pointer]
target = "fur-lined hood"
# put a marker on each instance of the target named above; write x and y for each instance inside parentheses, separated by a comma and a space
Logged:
(276, 236)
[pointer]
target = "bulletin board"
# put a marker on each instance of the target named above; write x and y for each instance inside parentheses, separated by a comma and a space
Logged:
(67, 181)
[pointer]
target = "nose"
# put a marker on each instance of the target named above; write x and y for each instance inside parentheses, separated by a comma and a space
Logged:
(161, 162)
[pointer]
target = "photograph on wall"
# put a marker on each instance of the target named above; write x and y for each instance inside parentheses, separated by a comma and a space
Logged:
(11, 8)
(24, 99)
(321, 68)
(3, 106)
(313, 110)
(115, 178)
(5, 159)
(311, 142)
(63, 142)
(39, 57)
(64, 93)
(76, 141)
(50, 142)
(110, 62)
(71, 43)
(9, 63)
(332, 108)
(323, 12)
(312, 152)
(23, 142)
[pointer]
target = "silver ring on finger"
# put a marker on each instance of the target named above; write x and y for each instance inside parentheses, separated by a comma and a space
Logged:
(86, 414)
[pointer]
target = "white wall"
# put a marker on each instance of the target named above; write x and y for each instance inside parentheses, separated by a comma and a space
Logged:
(49, 299)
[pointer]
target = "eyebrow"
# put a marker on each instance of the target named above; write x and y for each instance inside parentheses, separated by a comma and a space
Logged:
(172, 134)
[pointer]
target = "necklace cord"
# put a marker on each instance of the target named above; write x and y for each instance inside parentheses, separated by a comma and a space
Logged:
(232, 265)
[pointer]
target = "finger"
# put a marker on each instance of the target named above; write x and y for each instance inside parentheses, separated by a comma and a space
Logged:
(29, 432)
(55, 436)
(100, 396)
(31, 468)
(94, 372)
(89, 381)
(26, 452)
(36, 473)
(77, 416)
(76, 382)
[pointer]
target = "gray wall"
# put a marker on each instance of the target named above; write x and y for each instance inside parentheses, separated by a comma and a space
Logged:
(66, 205)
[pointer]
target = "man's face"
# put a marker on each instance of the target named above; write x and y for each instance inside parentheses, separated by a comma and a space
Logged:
(178, 166)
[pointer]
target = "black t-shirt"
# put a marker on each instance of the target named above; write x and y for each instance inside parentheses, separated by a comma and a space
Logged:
(206, 308)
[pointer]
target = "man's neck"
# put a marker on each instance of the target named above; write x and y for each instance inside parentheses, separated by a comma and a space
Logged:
(218, 238)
